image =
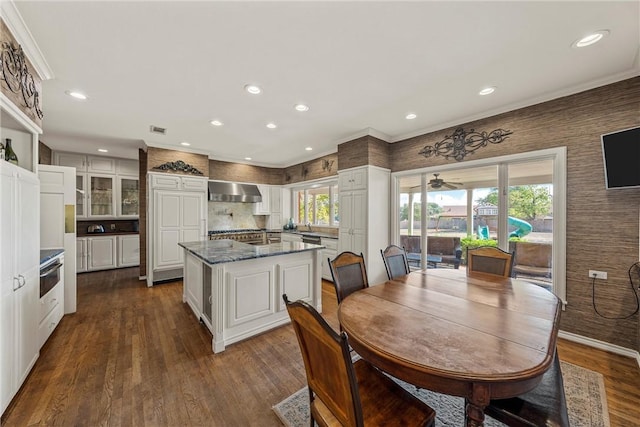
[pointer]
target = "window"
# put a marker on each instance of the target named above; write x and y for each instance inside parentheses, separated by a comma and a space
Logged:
(516, 202)
(316, 204)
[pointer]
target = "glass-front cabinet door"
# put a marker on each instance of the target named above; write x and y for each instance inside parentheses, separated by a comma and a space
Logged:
(128, 200)
(101, 196)
(81, 196)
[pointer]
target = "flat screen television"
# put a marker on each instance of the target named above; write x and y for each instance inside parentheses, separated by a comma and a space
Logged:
(621, 153)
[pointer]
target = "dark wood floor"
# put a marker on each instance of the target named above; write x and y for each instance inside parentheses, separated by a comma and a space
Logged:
(136, 356)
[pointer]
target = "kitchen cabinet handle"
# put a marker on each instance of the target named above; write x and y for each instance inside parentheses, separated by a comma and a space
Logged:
(21, 280)
(15, 279)
(210, 299)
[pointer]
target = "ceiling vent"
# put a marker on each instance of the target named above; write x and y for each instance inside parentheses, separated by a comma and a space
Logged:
(158, 130)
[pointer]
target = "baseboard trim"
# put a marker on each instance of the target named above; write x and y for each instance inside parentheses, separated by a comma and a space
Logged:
(142, 277)
(591, 342)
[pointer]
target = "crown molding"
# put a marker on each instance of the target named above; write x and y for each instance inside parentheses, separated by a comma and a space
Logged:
(23, 36)
(176, 148)
(550, 96)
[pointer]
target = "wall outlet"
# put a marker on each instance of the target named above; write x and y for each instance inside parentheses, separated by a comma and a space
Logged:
(113, 226)
(598, 274)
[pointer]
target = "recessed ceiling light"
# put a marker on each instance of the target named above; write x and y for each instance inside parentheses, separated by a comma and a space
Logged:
(590, 39)
(309, 148)
(301, 107)
(410, 116)
(271, 125)
(186, 144)
(487, 90)
(102, 150)
(216, 122)
(76, 94)
(253, 89)
(247, 158)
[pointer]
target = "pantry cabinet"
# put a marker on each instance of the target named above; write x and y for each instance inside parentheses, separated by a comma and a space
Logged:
(19, 277)
(364, 215)
(178, 214)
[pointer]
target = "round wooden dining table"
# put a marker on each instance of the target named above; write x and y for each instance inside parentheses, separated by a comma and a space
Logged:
(480, 338)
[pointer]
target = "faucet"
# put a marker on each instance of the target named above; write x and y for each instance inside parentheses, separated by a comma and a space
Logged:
(309, 226)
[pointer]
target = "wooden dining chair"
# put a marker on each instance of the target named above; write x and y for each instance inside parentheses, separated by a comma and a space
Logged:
(545, 405)
(344, 393)
(489, 260)
(349, 274)
(395, 261)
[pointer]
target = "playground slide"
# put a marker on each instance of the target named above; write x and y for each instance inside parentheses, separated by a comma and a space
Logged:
(522, 229)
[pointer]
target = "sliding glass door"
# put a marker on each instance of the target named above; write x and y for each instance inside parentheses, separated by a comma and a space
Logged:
(512, 202)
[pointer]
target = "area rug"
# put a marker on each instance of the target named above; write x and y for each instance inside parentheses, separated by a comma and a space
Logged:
(584, 390)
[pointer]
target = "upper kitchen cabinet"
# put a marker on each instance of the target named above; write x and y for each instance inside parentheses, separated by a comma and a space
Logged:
(128, 196)
(101, 195)
(106, 187)
(83, 163)
(127, 167)
(263, 207)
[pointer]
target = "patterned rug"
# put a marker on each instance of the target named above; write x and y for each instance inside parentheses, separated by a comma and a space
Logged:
(584, 390)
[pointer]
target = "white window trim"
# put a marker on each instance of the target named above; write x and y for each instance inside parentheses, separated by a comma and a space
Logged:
(559, 157)
(307, 185)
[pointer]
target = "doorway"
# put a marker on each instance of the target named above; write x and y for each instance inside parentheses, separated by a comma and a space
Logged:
(516, 203)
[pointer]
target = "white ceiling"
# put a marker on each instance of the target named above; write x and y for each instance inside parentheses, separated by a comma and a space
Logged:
(361, 67)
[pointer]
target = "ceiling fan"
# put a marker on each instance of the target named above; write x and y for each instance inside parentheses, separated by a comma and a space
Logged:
(439, 183)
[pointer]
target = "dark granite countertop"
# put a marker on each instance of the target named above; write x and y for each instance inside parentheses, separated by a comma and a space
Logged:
(49, 254)
(107, 233)
(312, 233)
(226, 250)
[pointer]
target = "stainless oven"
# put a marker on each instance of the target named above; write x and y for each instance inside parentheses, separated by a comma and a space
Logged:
(50, 275)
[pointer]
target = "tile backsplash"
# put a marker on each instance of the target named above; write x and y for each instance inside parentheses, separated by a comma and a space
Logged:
(233, 216)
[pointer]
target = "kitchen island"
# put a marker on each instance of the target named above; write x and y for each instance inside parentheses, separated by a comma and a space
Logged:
(236, 289)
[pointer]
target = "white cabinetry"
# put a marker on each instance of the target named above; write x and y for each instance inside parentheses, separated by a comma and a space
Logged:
(106, 187)
(280, 207)
(352, 179)
(263, 207)
(353, 221)
(102, 253)
(51, 309)
(128, 250)
(82, 254)
(364, 215)
(246, 296)
(84, 163)
(126, 167)
(107, 252)
(127, 196)
(193, 284)
(19, 277)
(329, 252)
(179, 214)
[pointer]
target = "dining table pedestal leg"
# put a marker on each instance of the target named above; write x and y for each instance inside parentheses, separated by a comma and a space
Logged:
(474, 406)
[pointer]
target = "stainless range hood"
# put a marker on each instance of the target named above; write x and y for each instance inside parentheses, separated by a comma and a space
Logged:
(232, 192)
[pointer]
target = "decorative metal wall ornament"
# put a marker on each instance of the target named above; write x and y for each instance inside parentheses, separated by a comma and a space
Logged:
(327, 165)
(178, 166)
(305, 171)
(462, 143)
(16, 75)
